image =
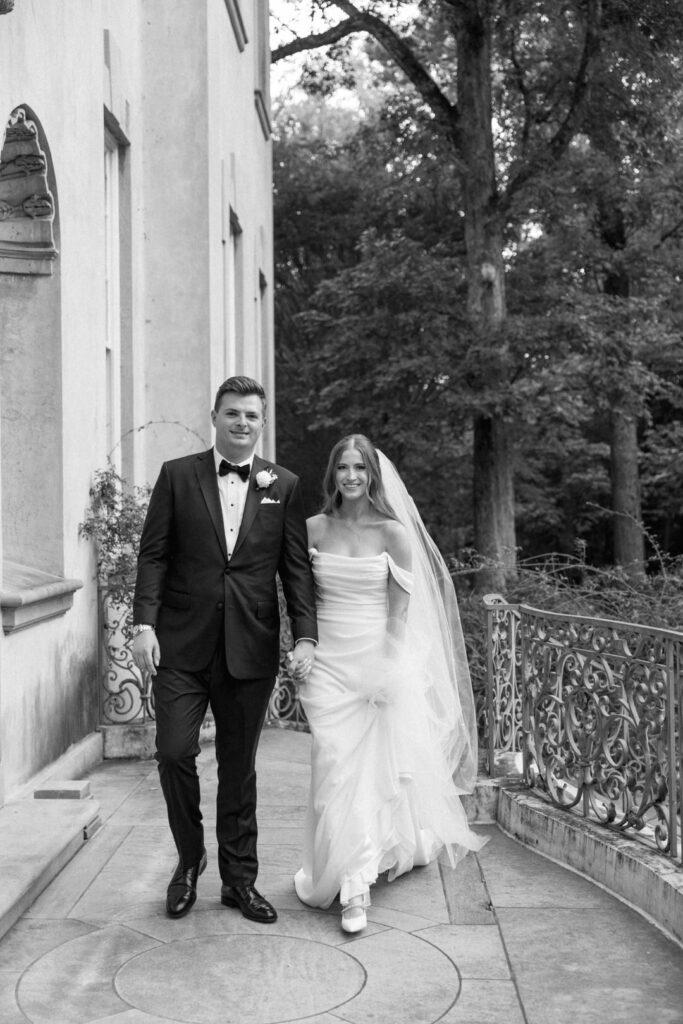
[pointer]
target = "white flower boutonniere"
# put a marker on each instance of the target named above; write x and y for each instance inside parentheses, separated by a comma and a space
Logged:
(264, 479)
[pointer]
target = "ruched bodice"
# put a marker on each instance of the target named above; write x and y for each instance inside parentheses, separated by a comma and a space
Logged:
(345, 584)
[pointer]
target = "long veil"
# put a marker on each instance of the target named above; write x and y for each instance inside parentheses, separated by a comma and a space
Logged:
(434, 618)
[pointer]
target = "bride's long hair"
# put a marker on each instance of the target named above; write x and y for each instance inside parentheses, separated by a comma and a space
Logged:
(376, 494)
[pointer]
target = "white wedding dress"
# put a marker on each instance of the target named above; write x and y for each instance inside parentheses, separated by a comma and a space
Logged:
(382, 797)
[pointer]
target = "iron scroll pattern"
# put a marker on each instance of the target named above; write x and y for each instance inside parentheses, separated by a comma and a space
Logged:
(125, 698)
(284, 708)
(503, 692)
(601, 719)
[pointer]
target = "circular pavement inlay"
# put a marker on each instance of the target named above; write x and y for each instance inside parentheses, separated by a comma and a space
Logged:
(240, 979)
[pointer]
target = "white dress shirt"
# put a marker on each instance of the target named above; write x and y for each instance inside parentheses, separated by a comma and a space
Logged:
(233, 494)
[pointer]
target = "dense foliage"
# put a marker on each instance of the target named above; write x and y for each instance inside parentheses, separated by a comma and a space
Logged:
(562, 583)
(373, 327)
(114, 520)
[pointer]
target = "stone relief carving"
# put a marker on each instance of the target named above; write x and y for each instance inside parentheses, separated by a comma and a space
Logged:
(27, 208)
(23, 164)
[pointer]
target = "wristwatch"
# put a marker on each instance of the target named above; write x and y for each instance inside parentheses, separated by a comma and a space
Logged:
(141, 628)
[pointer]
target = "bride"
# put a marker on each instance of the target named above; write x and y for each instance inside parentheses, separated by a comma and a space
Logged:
(389, 699)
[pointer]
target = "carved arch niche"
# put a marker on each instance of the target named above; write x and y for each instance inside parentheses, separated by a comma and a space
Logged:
(31, 495)
(27, 208)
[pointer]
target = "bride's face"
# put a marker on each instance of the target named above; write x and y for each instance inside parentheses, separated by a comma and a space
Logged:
(351, 476)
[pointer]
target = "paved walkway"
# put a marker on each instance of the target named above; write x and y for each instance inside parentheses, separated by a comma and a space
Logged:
(508, 938)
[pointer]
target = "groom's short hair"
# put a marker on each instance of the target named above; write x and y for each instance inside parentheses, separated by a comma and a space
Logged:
(240, 386)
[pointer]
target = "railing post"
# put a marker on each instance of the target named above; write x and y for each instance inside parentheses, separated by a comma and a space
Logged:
(490, 710)
(675, 702)
(523, 692)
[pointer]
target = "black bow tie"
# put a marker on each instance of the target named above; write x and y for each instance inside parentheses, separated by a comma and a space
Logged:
(230, 467)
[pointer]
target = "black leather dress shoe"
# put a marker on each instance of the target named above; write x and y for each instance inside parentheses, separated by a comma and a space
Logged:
(252, 904)
(182, 889)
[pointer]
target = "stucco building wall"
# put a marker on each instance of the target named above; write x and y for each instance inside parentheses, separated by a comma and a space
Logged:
(159, 166)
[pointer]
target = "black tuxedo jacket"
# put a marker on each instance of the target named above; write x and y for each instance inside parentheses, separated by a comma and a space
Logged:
(190, 592)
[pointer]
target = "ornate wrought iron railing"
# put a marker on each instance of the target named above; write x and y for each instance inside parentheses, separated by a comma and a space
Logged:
(284, 709)
(125, 700)
(595, 708)
(124, 697)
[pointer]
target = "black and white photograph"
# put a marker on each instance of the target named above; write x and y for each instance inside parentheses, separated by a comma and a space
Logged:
(341, 511)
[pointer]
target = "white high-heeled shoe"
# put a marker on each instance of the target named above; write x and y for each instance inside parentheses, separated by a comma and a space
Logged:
(353, 916)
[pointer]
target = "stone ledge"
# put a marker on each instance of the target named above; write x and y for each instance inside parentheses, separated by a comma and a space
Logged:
(39, 837)
(66, 789)
(74, 763)
(137, 740)
(648, 881)
(29, 596)
(481, 806)
(134, 740)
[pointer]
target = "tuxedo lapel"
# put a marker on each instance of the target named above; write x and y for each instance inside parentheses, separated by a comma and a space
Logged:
(251, 505)
(205, 468)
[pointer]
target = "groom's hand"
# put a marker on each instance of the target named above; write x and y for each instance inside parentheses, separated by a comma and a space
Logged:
(301, 660)
(146, 653)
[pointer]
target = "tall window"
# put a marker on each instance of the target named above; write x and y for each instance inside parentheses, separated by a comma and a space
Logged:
(112, 278)
(234, 283)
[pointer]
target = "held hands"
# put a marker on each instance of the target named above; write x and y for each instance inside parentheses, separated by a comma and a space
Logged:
(301, 660)
(146, 653)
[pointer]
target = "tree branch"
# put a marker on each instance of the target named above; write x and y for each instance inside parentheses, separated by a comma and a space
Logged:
(522, 86)
(314, 42)
(567, 129)
(669, 233)
(445, 113)
(582, 81)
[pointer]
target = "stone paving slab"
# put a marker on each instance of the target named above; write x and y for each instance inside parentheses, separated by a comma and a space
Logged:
(625, 867)
(37, 838)
(508, 937)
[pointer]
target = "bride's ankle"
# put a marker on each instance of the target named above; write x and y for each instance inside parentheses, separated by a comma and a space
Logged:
(353, 916)
(361, 901)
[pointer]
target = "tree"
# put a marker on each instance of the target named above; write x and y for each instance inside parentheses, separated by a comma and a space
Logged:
(555, 80)
(466, 125)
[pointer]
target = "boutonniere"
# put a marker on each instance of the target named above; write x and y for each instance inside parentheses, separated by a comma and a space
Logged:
(264, 479)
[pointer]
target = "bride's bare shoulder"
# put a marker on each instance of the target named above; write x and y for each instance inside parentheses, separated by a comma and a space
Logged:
(316, 527)
(397, 542)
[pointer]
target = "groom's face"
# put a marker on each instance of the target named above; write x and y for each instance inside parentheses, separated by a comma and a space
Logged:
(239, 422)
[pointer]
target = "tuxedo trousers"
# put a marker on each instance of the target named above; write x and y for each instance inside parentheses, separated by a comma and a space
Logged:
(239, 708)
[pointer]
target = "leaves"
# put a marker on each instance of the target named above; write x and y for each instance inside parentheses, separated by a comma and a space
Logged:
(373, 330)
(114, 521)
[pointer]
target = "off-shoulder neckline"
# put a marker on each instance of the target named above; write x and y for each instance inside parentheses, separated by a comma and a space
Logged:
(352, 558)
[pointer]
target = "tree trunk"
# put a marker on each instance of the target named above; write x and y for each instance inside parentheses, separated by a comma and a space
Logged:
(494, 520)
(493, 501)
(629, 545)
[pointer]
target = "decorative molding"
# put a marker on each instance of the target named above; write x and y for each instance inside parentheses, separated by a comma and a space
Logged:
(263, 115)
(22, 165)
(32, 206)
(237, 23)
(27, 208)
(29, 596)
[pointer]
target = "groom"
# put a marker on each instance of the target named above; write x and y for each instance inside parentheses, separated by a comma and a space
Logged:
(220, 525)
